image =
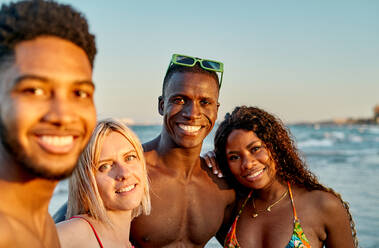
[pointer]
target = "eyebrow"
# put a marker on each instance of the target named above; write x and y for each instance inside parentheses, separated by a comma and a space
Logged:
(248, 146)
(124, 154)
(252, 143)
(208, 98)
(46, 80)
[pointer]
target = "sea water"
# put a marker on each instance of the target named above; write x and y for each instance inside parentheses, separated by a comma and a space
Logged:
(345, 158)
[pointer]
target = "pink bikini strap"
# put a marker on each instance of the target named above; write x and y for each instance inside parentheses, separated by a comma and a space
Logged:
(93, 229)
(292, 201)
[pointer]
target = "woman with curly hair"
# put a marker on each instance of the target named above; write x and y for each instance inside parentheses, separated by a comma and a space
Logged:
(255, 152)
(107, 189)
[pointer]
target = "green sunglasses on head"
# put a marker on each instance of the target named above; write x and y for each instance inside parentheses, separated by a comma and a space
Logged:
(210, 65)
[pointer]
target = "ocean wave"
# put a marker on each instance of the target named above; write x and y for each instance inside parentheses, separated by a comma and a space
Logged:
(316, 142)
(336, 135)
(373, 130)
(355, 138)
(343, 152)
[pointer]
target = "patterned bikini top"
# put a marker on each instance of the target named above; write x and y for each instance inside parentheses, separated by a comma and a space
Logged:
(298, 239)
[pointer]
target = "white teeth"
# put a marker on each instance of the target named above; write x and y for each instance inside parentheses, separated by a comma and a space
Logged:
(126, 189)
(57, 140)
(255, 174)
(189, 128)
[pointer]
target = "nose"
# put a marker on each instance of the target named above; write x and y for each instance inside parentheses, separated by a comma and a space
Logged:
(191, 111)
(60, 110)
(248, 163)
(122, 172)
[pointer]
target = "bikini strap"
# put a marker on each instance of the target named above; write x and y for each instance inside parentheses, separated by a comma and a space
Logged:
(292, 201)
(243, 206)
(93, 229)
(244, 203)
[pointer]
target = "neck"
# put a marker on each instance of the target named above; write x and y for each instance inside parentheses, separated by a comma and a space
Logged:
(121, 225)
(23, 193)
(271, 192)
(25, 198)
(182, 159)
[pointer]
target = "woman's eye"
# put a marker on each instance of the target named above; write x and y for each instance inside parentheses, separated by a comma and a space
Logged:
(255, 149)
(104, 167)
(233, 157)
(130, 157)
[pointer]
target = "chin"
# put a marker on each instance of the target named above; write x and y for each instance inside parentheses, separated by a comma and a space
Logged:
(50, 170)
(189, 144)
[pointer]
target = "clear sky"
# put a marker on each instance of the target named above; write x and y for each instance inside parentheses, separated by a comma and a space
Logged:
(302, 60)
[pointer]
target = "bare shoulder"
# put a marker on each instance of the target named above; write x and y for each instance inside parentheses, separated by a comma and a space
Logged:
(333, 216)
(325, 201)
(328, 206)
(151, 145)
(150, 153)
(74, 233)
(221, 182)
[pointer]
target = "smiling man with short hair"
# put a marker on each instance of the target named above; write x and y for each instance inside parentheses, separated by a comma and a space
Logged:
(47, 113)
(188, 201)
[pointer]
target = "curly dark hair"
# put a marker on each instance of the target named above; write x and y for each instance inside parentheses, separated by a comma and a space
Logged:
(26, 20)
(277, 138)
(195, 69)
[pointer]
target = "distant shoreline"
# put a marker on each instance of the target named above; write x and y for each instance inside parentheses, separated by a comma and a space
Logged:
(340, 122)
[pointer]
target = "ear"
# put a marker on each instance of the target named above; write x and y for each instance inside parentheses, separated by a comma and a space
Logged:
(160, 105)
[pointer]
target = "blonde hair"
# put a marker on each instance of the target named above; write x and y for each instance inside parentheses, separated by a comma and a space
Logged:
(84, 196)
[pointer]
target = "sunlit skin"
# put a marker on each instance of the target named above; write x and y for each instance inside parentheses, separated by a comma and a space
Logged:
(48, 114)
(47, 107)
(323, 218)
(118, 175)
(249, 160)
(189, 108)
(188, 201)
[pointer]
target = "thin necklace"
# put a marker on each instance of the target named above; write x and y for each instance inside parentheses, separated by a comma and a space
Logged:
(268, 209)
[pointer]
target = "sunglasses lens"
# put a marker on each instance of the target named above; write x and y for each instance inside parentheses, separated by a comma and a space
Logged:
(211, 65)
(185, 60)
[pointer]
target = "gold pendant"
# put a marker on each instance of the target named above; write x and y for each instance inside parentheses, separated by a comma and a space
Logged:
(269, 209)
(255, 215)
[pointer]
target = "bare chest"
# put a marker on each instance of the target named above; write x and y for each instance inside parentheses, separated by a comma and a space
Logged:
(188, 213)
(22, 236)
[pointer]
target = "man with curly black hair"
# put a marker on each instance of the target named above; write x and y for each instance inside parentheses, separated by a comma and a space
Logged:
(47, 113)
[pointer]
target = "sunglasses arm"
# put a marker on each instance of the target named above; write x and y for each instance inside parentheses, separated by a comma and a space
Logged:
(222, 74)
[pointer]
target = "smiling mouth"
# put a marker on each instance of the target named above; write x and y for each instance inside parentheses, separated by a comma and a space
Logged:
(126, 189)
(254, 175)
(189, 128)
(56, 144)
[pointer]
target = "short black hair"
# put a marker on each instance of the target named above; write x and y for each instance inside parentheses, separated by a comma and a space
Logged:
(194, 69)
(26, 20)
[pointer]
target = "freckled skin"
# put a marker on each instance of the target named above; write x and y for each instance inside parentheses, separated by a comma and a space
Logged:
(46, 90)
(188, 202)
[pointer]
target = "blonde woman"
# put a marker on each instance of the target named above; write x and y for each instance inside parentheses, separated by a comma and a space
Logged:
(107, 189)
